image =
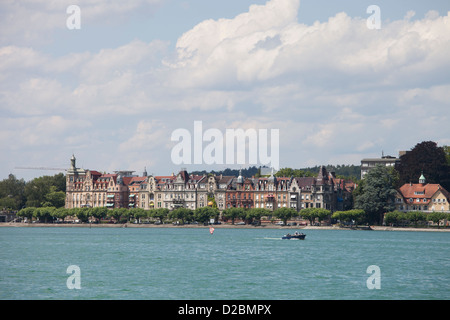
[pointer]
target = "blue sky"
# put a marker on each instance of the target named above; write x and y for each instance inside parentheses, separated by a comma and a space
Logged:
(114, 91)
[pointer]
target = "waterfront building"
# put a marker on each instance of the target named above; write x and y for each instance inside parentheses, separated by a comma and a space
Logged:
(239, 192)
(370, 163)
(422, 196)
(90, 188)
(218, 187)
(124, 189)
(343, 189)
(178, 191)
(318, 192)
(135, 197)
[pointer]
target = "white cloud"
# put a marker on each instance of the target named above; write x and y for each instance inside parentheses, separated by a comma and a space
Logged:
(219, 53)
(333, 88)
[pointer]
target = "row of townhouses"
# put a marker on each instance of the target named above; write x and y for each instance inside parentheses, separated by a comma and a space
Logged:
(122, 189)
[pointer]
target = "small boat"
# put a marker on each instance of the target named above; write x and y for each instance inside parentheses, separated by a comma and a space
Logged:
(296, 235)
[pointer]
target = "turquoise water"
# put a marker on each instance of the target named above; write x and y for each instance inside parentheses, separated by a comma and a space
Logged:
(185, 263)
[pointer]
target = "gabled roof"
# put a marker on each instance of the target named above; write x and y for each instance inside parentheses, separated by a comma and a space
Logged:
(419, 190)
(137, 180)
(303, 182)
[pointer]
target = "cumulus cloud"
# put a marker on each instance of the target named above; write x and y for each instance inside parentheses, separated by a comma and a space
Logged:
(335, 89)
(225, 51)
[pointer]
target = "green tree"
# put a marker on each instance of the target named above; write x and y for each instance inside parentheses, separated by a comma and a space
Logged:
(356, 216)
(99, 213)
(160, 214)
(285, 214)
(289, 172)
(12, 193)
(416, 216)
(83, 214)
(37, 189)
(342, 217)
(309, 214)
(44, 214)
(427, 158)
(54, 198)
(232, 213)
(138, 214)
(322, 214)
(436, 217)
(181, 214)
(61, 213)
(203, 214)
(447, 154)
(402, 218)
(27, 213)
(391, 218)
(377, 194)
(127, 214)
(255, 214)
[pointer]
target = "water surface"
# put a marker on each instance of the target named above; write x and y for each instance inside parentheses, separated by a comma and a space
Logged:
(190, 263)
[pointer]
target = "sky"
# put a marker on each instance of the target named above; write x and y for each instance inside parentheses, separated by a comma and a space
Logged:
(115, 90)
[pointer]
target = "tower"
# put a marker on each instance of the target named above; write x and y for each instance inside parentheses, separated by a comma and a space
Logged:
(422, 179)
(72, 162)
(240, 179)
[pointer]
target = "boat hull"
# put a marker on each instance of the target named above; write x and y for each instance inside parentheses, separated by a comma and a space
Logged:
(298, 237)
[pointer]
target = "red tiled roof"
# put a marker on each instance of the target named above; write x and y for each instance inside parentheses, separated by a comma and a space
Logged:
(126, 180)
(421, 191)
(137, 180)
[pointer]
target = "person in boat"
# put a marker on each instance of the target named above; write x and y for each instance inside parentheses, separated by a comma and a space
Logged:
(296, 233)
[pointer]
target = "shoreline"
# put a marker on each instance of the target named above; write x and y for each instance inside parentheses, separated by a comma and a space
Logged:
(225, 226)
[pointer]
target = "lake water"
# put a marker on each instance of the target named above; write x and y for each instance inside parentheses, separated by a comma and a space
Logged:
(238, 264)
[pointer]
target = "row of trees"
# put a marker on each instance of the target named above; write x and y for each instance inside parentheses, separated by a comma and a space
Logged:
(203, 215)
(355, 216)
(255, 215)
(121, 215)
(399, 218)
(183, 215)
